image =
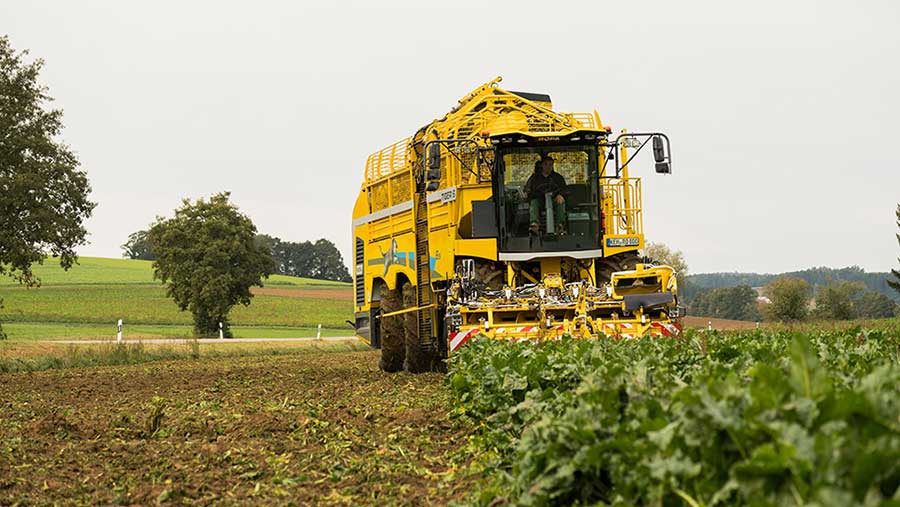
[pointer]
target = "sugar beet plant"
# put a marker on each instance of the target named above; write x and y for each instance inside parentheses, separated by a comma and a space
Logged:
(748, 419)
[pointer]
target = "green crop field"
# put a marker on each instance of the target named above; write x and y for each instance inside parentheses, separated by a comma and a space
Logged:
(755, 418)
(89, 299)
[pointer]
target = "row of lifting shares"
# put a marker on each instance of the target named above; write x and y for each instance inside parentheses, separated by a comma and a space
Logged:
(551, 309)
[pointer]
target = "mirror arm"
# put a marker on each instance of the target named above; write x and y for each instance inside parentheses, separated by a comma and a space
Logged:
(447, 141)
(648, 135)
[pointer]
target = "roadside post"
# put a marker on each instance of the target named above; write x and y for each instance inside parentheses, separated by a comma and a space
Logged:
(221, 334)
(119, 335)
(319, 333)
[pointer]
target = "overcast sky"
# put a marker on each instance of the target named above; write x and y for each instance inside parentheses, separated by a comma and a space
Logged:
(784, 116)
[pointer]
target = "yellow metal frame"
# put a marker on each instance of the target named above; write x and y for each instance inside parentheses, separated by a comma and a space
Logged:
(383, 213)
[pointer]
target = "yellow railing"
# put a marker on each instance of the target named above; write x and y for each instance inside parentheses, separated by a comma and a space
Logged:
(386, 161)
(622, 206)
(585, 119)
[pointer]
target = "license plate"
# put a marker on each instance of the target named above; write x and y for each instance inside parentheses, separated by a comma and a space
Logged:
(629, 241)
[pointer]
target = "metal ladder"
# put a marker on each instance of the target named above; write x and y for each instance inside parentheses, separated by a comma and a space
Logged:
(423, 271)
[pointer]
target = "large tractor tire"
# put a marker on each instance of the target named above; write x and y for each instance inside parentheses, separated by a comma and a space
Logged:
(417, 360)
(625, 261)
(393, 351)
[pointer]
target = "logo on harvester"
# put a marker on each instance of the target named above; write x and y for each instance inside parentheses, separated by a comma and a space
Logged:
(626, 241)
(390, 257)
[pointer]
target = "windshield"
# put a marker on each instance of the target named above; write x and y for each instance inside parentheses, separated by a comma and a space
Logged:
(548, 199)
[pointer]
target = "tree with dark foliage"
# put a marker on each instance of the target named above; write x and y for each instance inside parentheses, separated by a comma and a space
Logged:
(736, 303)
(321, 260)
(43, 195)
(790, 299)
(895, 283)
(208, 256)
(138, 247)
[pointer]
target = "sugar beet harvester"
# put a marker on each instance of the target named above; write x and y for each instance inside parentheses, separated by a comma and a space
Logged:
(451, 240)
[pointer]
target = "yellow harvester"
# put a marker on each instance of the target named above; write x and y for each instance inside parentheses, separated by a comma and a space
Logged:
(450, 243)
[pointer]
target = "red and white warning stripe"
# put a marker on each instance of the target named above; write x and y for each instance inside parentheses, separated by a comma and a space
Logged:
(460, 337)
(667, 329)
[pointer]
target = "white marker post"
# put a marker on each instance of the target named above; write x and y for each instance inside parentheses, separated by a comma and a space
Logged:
(221, 334)
(119, 335)
(319, 333)
(709, 325)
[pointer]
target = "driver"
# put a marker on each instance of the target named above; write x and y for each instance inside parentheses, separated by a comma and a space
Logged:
(545, 180)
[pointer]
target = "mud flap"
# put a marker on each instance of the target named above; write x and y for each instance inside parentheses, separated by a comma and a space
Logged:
(647, 301)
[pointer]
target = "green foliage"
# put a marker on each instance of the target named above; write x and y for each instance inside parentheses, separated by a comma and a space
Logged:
(660, 253)
(789, 299)
(837, 300)
(737, 303)
(208, 257)
(816, 277)
(874, 305)
(320, 260)
(138, 247)
(895, 283)
(748, 419)
(43, 196)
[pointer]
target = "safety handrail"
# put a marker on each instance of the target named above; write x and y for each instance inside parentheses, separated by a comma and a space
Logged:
(622, 218)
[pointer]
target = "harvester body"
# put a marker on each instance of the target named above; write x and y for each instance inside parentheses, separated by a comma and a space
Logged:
(450, 242)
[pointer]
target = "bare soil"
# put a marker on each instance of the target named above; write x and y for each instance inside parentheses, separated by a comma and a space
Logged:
(316, 429)
(692, 321)
(339, 294)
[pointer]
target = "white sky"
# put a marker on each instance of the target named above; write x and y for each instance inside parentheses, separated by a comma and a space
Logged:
(784, 116)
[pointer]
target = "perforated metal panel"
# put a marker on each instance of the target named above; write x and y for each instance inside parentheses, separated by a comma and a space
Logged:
(359, 277)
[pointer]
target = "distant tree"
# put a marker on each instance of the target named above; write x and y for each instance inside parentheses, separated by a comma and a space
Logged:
(43, 196)
(789, 299)
(329, 264)
(816, 277)
(874, 305)
(138, 247)
(837, 300)
(208, 256)
(321, 260)
(736, 303)
(662, 254)
(895, 283)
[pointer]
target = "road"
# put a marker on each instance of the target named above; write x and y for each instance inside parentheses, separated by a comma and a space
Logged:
(213, 340)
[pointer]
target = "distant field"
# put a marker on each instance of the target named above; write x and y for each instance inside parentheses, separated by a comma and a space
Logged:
(87, 301)
(102, 271)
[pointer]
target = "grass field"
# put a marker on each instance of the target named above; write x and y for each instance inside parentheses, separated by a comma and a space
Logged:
(89, 299)
(103, 271)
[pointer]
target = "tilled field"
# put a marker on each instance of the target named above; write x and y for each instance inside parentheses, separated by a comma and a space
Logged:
(322, 428)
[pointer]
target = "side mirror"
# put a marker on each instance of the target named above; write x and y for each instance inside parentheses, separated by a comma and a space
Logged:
(662, 158)
(434, 160)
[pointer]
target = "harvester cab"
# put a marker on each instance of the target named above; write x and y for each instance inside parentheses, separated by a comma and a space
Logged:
(568, 250)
